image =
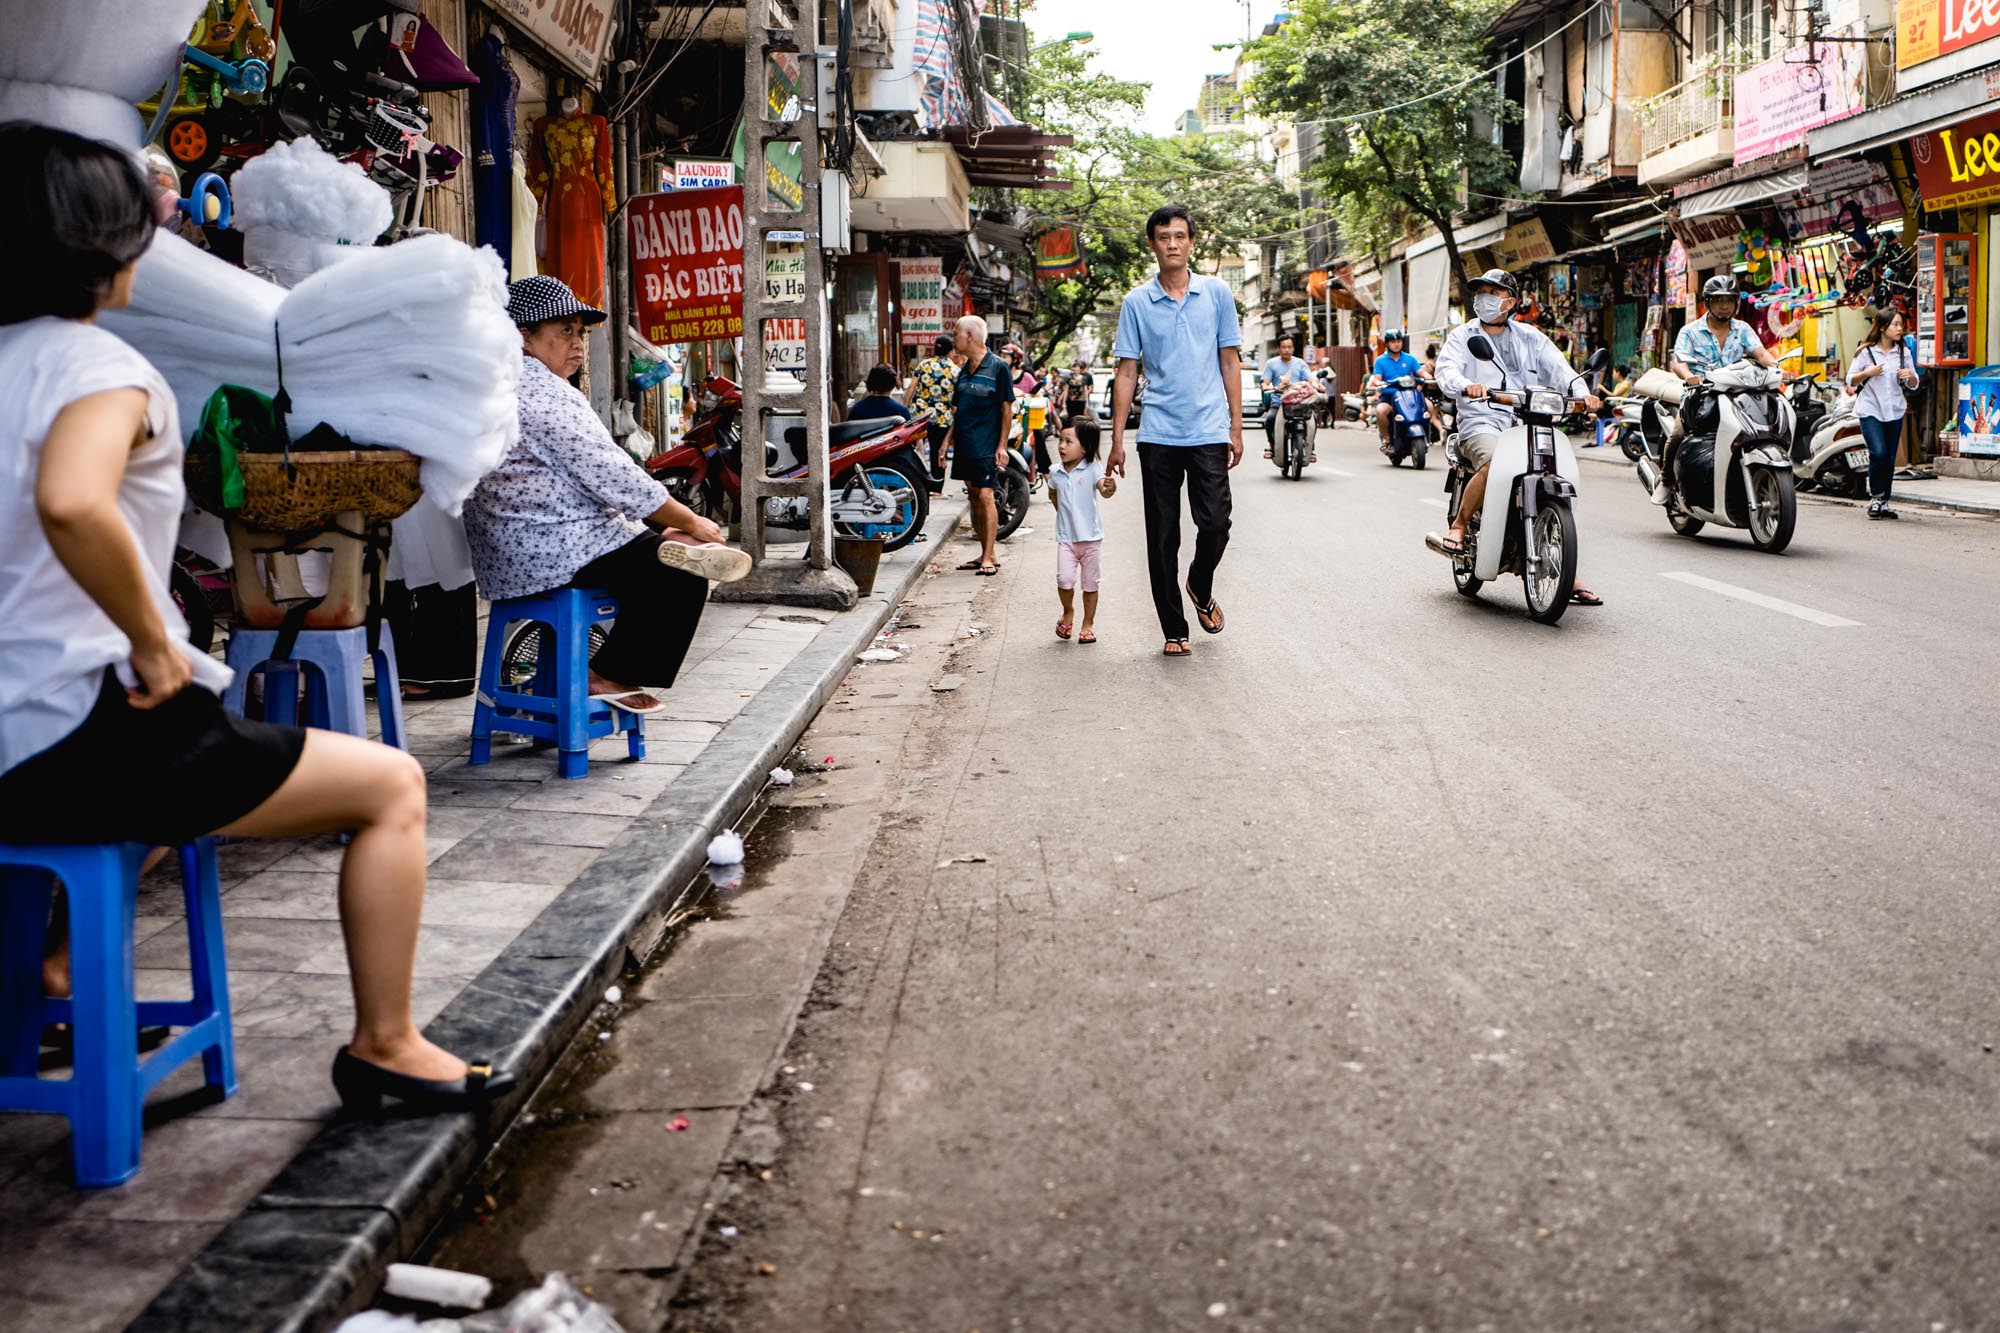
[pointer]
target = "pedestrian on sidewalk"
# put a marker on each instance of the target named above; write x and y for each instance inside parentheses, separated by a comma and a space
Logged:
(981, 406)
(1076, 479)
(1180, 328)
(929, 392)
(1884, 374)
(111, 725)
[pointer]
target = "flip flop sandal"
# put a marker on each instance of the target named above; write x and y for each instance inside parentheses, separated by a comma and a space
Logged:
(1584, 597)
(618, 701)
(987, 571)
(1203, 614)
(1063, 627)
(1184, 650)
(1088, 636)
(972, 565)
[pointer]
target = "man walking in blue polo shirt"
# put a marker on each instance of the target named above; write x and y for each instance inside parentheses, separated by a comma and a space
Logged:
(1181, 328)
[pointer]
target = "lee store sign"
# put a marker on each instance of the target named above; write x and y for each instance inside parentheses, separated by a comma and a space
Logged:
(1959, 165)
(1928, 30)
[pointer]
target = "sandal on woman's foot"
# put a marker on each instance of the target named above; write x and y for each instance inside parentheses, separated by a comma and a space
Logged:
(1210, 616)
(1584, 597)
(1063, 627)
(969, 566)
(707, 560)
(1177, 648)
(1446, 545)
(631, 701)
(363, 1086)
(988, 571)
(1088, 636)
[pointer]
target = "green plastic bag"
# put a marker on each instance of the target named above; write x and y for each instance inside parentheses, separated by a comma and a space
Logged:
(235, 420)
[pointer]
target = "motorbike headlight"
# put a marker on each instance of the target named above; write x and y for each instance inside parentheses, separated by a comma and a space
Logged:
(1545, 403)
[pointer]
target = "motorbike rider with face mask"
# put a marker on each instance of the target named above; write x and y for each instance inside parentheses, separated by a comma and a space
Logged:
(1526, 357)
(1717, 339)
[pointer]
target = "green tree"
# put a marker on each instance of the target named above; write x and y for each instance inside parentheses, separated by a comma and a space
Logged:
(1397, 94)
(1121, 175)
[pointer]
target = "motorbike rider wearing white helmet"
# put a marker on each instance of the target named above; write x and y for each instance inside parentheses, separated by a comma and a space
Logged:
(1717, 339)
(1525, 356)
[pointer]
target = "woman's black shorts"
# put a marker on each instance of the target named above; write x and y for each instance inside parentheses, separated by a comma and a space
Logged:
(154, 775)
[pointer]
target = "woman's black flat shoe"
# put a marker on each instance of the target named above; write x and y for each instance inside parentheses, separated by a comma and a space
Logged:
(362, 1086)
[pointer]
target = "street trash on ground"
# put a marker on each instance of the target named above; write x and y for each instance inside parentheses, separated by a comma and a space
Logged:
(725, 877)
(729, 1233)
(554, 1307)
(893, 653)
(377, 1321)
(437, 1286)
(781, 777)
(726, 848)
(678, 1124)
(963, 859)
(613, 995)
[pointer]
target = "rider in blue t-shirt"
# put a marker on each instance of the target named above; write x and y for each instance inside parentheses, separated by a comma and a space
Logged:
(1392, 365)
(1280, 371)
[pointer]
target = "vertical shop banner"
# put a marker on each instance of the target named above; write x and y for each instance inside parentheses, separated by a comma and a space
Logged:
(785, 266)
(1959, 165)
(576, 32)
(1779, 100)
(920, 298)
(687, 264)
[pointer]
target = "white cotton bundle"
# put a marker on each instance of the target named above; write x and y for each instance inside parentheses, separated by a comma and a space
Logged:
(409, 346)
(81, 64)
(301, 188)
(201, 322)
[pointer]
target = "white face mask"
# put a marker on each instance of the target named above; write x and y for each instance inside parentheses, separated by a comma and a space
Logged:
(1490, 307)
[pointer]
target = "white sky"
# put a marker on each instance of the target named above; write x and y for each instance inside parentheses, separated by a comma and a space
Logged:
(1162, 42)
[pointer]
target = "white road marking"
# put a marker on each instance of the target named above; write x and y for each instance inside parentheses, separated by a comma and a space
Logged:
(1805, 613)
(1334, 471)
(1432, 500)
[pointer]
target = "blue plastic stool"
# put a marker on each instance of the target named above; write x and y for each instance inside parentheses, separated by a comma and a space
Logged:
(108, 1082)
(333, 661)
(559, 710)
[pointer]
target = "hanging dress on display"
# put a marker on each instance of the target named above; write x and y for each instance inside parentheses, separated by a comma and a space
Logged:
(526, 214)
(569, 165)
(493, 111)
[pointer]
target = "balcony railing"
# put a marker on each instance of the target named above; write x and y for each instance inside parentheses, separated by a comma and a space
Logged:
(1688, 110)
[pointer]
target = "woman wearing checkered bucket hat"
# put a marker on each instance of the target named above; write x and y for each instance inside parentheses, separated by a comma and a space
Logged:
(567, 506)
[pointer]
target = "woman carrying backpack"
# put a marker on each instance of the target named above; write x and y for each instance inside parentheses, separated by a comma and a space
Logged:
(1884, 377)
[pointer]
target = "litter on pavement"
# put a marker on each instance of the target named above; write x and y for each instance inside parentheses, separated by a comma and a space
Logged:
(781, 777)
(437, 1286)
(726, 848)
(964, 859)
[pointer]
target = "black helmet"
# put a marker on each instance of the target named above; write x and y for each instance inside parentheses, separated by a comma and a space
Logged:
(1719, 286)
(1498, 277)
(1397, 334)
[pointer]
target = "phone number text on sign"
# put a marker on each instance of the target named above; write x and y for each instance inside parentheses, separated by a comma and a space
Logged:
(687, 264)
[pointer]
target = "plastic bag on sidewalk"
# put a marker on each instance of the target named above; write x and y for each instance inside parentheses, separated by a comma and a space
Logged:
(554, 1307)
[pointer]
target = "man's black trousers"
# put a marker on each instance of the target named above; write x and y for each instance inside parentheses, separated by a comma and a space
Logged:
(1162, 470)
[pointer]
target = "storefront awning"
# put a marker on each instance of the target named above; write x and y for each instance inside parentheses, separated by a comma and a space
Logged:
(1728, 198)
(1935, 108)
(1017, 156)
(1636, 231)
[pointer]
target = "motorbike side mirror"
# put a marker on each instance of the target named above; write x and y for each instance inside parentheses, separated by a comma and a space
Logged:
(1599, 359)
(1480, 346)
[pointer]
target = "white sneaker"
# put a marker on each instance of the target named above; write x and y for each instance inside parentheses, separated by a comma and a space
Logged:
(709, 560)
(1659, 495)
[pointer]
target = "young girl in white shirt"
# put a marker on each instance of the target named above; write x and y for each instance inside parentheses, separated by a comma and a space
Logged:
(1075, 482)
(1883, 369)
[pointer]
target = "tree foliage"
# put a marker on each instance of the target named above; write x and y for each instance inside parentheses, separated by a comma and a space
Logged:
(1121, 175)
(1338, 64)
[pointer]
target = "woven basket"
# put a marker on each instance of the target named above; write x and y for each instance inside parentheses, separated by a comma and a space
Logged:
(286, 496)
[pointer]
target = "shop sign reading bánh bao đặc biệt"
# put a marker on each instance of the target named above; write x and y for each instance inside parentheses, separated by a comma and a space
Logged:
(687, 264)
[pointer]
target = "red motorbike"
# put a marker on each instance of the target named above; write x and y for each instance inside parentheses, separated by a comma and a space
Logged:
(880, 488)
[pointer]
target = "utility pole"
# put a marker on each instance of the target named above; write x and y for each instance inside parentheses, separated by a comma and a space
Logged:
(815, 580)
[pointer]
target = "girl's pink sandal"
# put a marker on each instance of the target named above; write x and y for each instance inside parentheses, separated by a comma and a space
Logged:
(1063, 628)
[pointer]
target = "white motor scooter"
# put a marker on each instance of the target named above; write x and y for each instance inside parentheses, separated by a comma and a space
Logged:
(1731, 466)
(1828, 450)
(1526, 525)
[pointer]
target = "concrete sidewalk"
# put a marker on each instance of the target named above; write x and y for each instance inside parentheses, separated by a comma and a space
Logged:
(266, 1212)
